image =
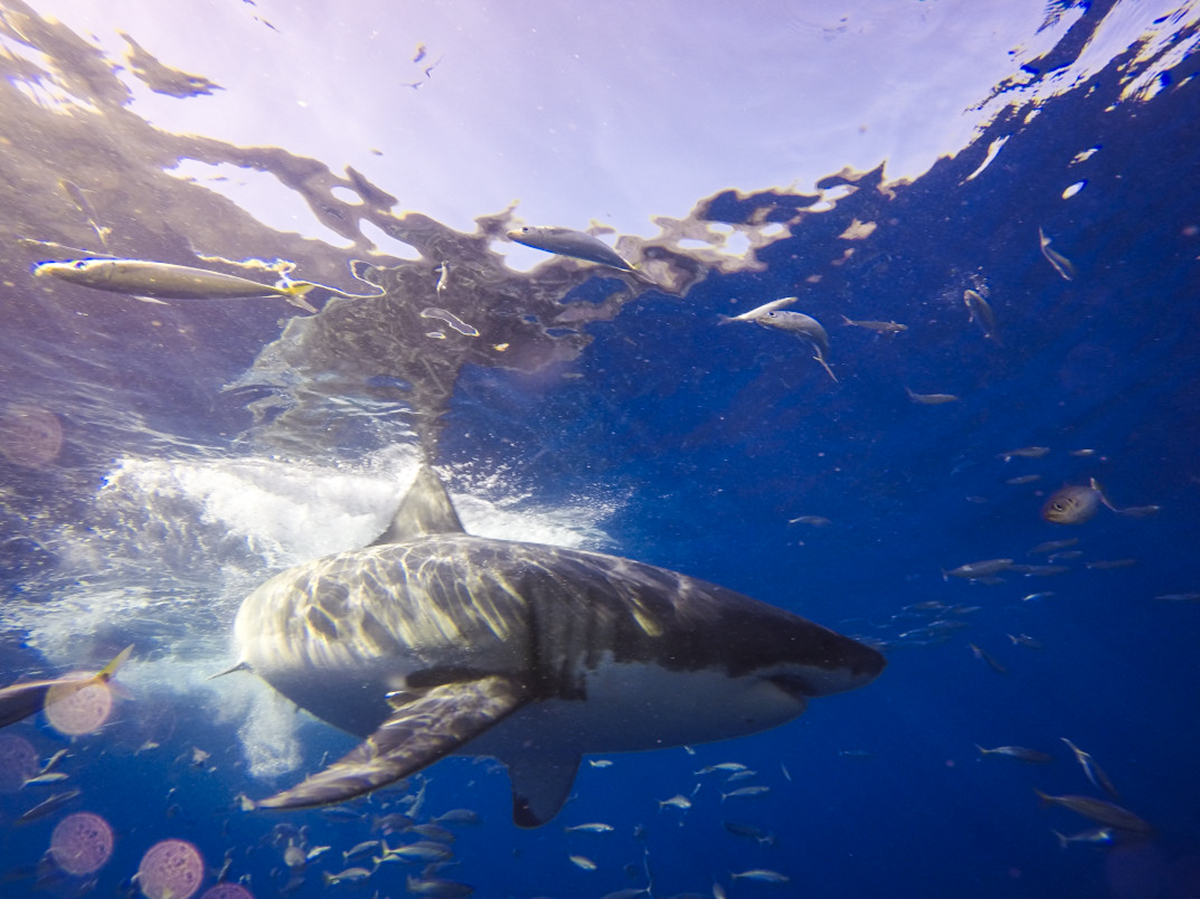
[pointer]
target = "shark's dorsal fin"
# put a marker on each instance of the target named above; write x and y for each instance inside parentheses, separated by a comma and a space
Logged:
(426, 509)
(417, 734)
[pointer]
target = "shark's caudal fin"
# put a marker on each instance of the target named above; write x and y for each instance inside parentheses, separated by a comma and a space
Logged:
(419, 733)
(426, 509)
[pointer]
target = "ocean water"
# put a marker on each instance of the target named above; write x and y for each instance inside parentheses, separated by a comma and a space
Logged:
(157, 462)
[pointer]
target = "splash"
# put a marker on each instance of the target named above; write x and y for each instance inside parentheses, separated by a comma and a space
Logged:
(268, 737)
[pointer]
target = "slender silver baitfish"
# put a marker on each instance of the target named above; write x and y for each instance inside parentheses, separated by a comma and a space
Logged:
(165, 281)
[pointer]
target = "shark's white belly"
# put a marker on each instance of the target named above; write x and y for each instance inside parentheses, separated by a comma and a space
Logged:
(632, 707)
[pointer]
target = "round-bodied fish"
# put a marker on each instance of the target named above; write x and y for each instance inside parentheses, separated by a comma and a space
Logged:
(801, 325)
(796, 323)
(1072, 505)
(565, 242)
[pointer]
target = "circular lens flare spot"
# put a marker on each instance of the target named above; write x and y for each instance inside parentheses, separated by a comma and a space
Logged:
(170, 869)
(18, 762)
(30, 436)
(228, 891)
(76, 709)
(82, 843)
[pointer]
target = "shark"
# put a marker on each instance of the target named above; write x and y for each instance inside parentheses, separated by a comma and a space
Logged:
(432, 642)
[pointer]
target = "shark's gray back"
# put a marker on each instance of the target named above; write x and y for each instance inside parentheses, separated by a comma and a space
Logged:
(448, 607)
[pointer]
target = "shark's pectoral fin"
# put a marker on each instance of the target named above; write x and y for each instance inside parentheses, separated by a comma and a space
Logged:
(541, 782)
(417, 734)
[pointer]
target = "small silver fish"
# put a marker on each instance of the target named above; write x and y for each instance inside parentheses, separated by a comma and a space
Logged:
(422, 850)
(165, 281)
(457, 816)
(583, 862)
(1024, 479)
(434, 832)
(750, 832)
(77, 196)
(1100, 811)
(443, 273)
(1025, 452)
(803, 326)
(1061, 263)
(1018, 752)
(350, 875)
(365, 846)
(982, 314)
(1179, 597)
(973, 570)
(1064, 555)
(740, 775)
(1040, 570)
(881, 327)
(437, 887)
(931, 399)
(676, 801)
(759, 311)
(1102, 835)
(1026, 640)
(47, 807)
(1072, 505)
(49, 778)
(745, 791)
(565, 242)
(294, 856)
(984, 656)
(1139, 511)
(589, 828)
(796, 323)
(761, 874)
(53, 760)
(856, 753)
(1093, 771)
(817, 521)
(600, 763)
(1053, 546)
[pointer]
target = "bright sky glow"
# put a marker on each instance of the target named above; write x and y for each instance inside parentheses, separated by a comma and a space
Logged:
(610, 112)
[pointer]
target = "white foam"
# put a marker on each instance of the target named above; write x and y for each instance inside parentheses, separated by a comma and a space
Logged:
(268, 735)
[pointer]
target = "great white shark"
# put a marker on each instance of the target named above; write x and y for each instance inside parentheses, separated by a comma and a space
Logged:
(431, 642)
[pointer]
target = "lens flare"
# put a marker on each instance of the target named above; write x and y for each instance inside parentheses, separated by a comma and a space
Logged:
(76, 709)
(171, 869)
(18, 762)
(82, 843)
(228, 891)
(30, 436)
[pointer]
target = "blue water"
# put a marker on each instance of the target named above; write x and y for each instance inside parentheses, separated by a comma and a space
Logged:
(195, 463)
